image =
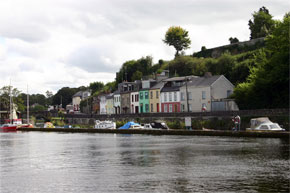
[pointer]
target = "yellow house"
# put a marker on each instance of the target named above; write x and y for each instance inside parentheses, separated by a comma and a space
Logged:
(154, 97)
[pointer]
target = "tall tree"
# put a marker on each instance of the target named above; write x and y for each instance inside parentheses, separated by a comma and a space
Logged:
(8, 91)
(261, 24)
(178, 38)
(96, 86)
(268, 83)
(64, 96)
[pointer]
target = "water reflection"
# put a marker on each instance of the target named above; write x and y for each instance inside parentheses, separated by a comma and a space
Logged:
(59, 162)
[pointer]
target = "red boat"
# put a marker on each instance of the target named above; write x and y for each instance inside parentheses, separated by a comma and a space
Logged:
(8, 128)
(16, 123)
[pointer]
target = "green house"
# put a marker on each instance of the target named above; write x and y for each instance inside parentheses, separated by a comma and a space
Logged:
(144, 101)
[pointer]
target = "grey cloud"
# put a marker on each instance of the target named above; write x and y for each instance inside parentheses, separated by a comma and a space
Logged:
(24, 31)
(92, 59)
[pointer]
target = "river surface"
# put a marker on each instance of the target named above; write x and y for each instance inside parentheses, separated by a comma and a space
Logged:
(35, 162)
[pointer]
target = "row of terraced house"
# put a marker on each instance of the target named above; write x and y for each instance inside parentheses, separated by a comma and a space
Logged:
(168, 95)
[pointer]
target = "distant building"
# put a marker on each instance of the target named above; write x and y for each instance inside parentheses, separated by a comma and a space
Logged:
(208, 93)
(103, 104)
(170, 93)
(125, 89)
(144, 95)
(134, 102)
(117, 102)
(78, 97)
(110, 103)
(155, 97)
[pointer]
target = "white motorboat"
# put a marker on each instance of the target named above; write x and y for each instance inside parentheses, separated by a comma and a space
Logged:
(264, 124)
(105, 124)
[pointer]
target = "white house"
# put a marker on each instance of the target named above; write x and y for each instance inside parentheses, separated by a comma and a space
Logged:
(103, 104)
(78, 97)
(134, 97)
(208, 93)
(110, 104)
(117, 102)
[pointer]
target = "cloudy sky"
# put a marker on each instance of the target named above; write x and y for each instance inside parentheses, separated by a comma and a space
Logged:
(50, 44)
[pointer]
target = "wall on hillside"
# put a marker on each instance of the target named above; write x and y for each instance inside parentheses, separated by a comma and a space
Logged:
(235, 48)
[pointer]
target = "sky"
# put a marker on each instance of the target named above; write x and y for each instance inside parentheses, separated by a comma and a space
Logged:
(50, 44)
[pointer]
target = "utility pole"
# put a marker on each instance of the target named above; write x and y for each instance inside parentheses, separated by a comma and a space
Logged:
(187, 95)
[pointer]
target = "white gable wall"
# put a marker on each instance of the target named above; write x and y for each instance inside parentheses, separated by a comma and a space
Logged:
(220, 87)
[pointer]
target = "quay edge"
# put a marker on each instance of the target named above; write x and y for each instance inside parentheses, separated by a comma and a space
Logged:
(167, 132)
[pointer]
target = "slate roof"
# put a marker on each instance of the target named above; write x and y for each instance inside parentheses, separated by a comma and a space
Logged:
(203, 81)
(178, 78)
(158, 85)
(170, 89)
(78, 94)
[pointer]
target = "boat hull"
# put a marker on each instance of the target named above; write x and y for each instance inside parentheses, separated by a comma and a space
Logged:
(9, 129)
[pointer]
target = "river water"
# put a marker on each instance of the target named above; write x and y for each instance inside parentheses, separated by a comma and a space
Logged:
(79, 163)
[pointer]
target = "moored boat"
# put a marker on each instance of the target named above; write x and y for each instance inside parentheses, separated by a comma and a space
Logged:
(105, 124)
(264, 124)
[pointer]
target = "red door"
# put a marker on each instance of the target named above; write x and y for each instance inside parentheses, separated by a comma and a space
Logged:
(157, 107)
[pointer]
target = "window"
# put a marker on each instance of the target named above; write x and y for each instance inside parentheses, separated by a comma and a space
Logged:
(165, 108)
(175, 96)
(229, 92)
(151, 94)
(147, 107)
(264, 127)
(157, 94)
(182, 96)
(146, 95)
(151, 107)
(189, 96)
(165, 97)
(141, 95)
(170, 97)
(170, 108)
(182, 107)
(189, 108)
(132, 98)
(203, 94)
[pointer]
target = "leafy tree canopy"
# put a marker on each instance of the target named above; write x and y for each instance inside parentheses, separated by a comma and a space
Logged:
(129, 68)
(5, 93)
(96, 86)
(261, 24)
(268, 83)
(178, 38)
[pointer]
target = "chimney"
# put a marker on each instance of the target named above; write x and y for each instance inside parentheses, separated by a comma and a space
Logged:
(207, 74)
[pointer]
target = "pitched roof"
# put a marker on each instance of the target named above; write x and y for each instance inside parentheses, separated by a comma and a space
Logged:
(203, 81)
(158, 85)
(170, 89)
(78, 94)
(182, 78)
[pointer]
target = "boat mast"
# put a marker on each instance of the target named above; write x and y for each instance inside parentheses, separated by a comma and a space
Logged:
(10, 104)
(27, 106)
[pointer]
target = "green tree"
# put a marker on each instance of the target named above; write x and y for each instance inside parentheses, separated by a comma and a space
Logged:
(64, 95)
(261, 24)
(96, 86)
(137, 75)
(233, 40)
(129, 68)
(37, 108)
(178, 38)
(8, 91)
(268, 83)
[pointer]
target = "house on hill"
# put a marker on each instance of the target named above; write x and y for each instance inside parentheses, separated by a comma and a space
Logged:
(78, 97)
(207, 93)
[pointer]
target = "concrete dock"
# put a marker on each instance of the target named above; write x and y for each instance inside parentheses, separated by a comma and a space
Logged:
(262, 134)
